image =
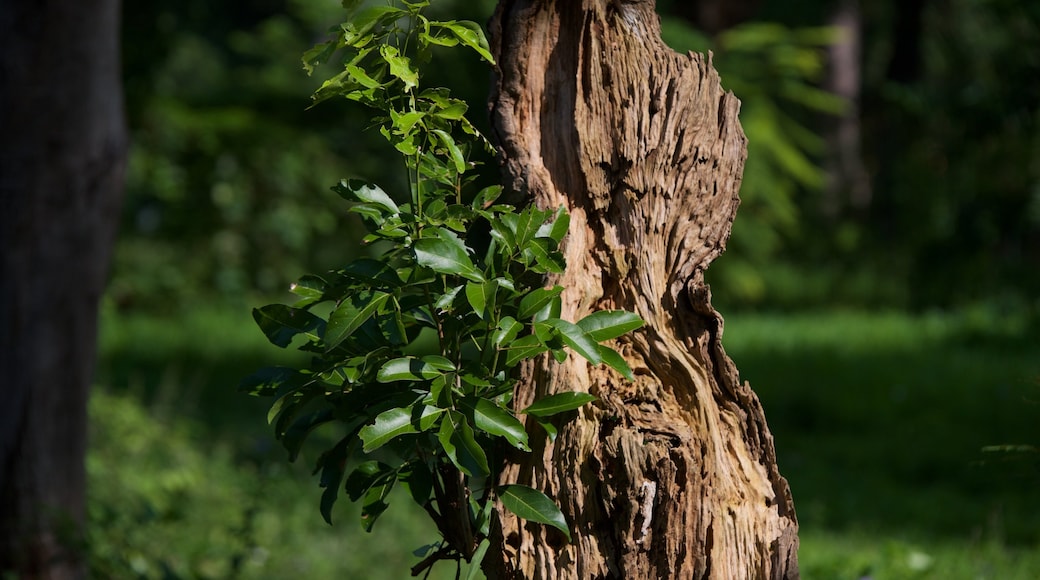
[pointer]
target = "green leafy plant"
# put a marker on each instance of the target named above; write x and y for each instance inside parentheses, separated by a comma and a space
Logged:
(414, 350)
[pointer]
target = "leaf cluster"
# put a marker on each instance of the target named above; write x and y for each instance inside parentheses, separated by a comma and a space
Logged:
(413, 351)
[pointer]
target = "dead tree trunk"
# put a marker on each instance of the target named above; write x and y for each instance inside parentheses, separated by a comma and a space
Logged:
(62, 150)
(674, 475)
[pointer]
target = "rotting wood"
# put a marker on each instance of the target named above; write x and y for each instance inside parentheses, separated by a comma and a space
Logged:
(673, 475)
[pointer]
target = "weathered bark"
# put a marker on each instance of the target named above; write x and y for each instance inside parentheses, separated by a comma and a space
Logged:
(62, 146)
(673, 475)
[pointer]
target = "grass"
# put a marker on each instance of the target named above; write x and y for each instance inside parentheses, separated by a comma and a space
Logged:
(879, 422)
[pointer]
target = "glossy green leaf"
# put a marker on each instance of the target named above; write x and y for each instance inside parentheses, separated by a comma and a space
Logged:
(550, 429)
(446, 254)
(536, 300)
(523, 348)
(574, 337)
(481, 296)
(557, 228)
(545, 255)
(456, 438)
(310, 288)
(350, 315)
(607, 324)
(507, 331)
(360, 191)
(388, 424)
(495, 420)
(282, 323)
(614, 360)
(558, 403)
(532, 505)
(413, 369)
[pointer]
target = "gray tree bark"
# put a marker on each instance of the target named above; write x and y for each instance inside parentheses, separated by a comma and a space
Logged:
(673, 475)
(62, 151)
(848, 182)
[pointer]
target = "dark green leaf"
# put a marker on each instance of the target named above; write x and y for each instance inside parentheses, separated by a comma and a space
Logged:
(298, 431)
(607, 324)
(388, 424)
(373, 272)
(486, 197)
(366, 475)
(456, 438)
(478, 557)
(281, 323)
(532, 505)
(445, 300)
(558, 403)
(269, 380)
(419, 481)
(375, 504)
(332, 464)
(318, 55)
(350, 315)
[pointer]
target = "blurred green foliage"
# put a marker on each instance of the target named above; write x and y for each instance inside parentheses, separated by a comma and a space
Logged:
(774, 70)
(228, 187)
(879, 420)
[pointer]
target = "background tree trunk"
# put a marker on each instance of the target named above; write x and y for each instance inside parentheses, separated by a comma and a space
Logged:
(848, 182)
(674, 475)
(62, 149)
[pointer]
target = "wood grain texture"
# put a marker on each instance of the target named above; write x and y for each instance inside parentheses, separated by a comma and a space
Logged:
(673, 475)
